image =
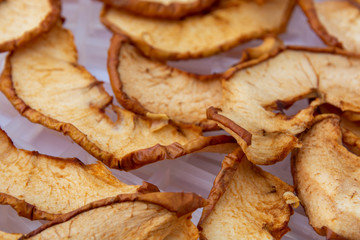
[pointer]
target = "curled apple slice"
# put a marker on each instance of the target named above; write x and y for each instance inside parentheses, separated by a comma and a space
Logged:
(226, 25)
(252, 91)
(45, 84)
(349, 124)
(23, 20)
(154, 89)
(351, 135)
(169, 9)
(127, 216)
(336, 22)
(246, 203)
(42, 187)
(326, 177)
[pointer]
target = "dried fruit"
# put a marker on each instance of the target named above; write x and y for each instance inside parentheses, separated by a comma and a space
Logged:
(127, 216)
(246, 203)
(169, 9)
(226, 25)
(253, 90)
(45, 83)
(42, 187)
(154, 89)
(21, 21)
(326, 177)
(337, 23)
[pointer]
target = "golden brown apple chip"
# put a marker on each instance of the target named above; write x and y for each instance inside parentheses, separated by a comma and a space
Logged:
(154, 216)
(45, 83)
(227, 24)
(246, 203)
(326, 177)
(336, 22)
(23, 20)
(252, 90)
(154, 89)
(42, 187)
(168, 9)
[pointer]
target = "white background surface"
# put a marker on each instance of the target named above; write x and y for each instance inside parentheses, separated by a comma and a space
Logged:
(194, 173)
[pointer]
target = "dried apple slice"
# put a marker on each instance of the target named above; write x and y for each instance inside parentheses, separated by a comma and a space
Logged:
(45, 84)
(128, 216)
(154, 89)
(227, 24)
(42, 187)
(252, 90)
(23, 20)
(326, 177)
(246, 203)
(336, 22)
(169, 9)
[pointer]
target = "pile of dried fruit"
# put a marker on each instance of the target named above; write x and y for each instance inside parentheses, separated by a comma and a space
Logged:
(166, 110)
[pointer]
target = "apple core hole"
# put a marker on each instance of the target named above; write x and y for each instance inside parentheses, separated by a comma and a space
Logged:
(290, 110)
